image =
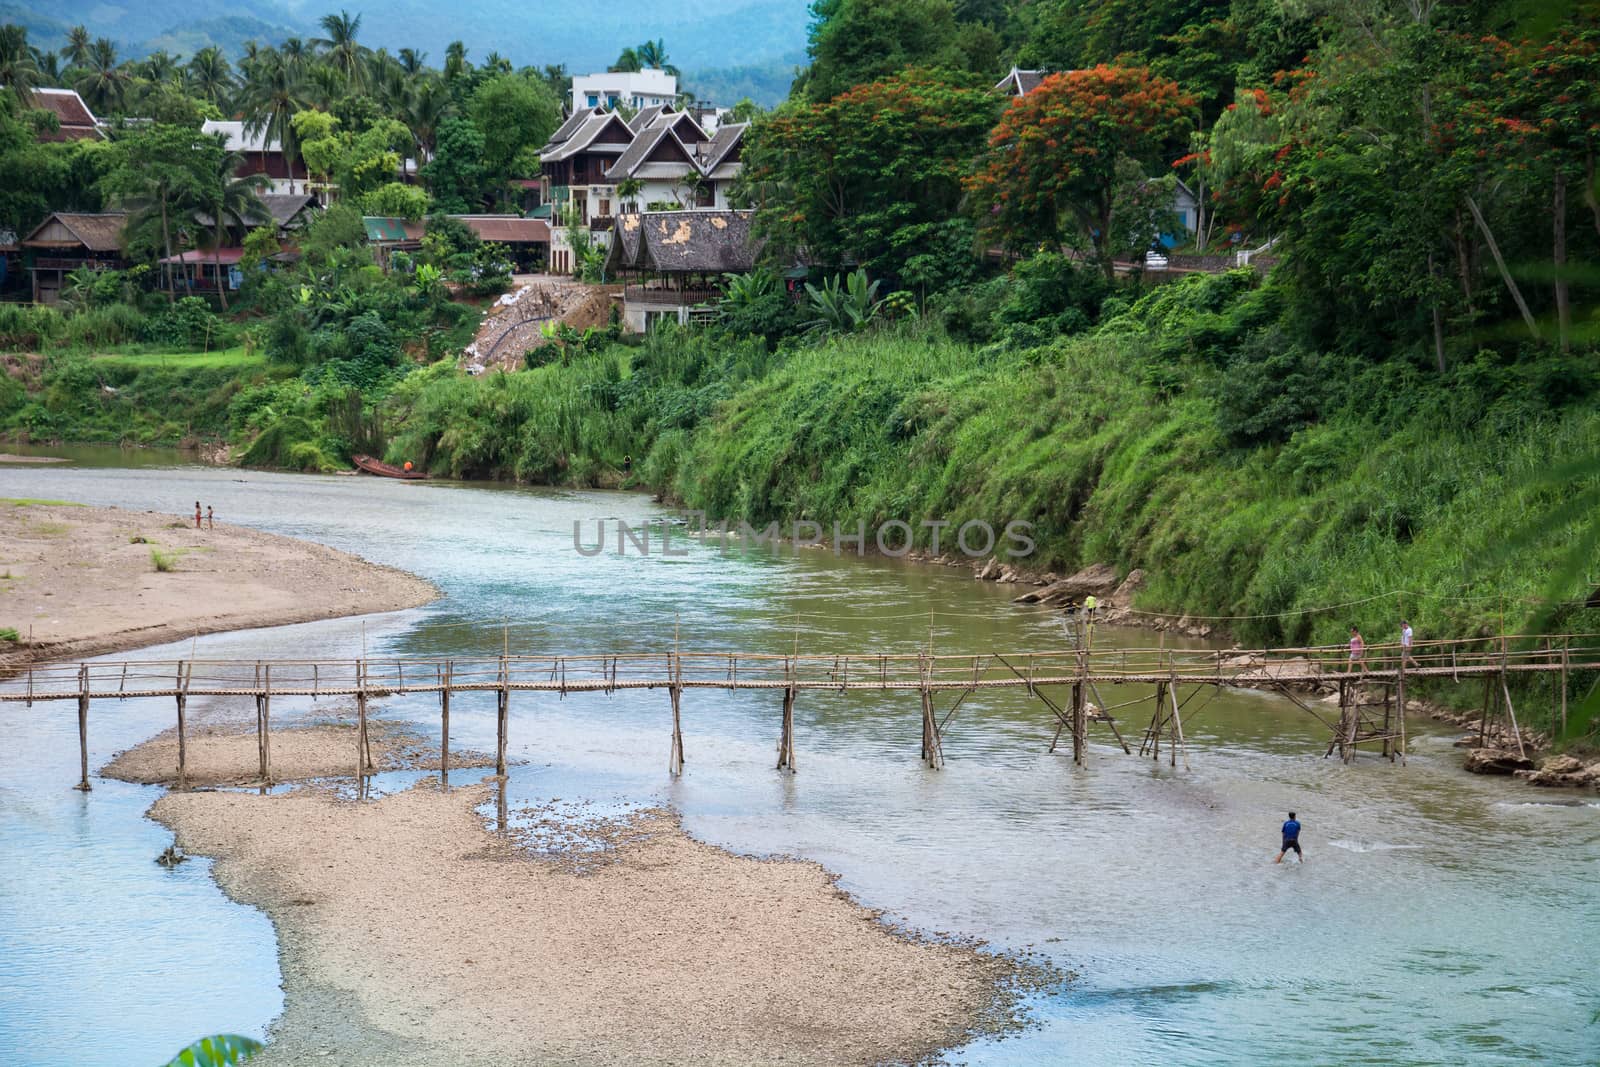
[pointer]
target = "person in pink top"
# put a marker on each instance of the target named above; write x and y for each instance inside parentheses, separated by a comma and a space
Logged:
(1358, 651)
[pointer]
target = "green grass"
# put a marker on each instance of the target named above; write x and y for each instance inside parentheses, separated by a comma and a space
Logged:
(221, 359)
(8, 633)
(29, 502)
(164, 562)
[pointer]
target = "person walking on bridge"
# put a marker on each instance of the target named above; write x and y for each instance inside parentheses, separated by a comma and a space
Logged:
(1406, 659)
(1291, 839)
(1358, 651)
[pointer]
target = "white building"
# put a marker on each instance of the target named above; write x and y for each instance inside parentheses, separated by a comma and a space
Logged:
(632, 89)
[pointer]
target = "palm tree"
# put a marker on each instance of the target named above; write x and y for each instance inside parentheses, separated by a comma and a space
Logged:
(227, 196)
(271, 98)
(653, 55)
(412, 60)
(158, 67)
(496, 63)
(76, 50)
(49, 65)
(455, 60)
(387, 80)
(103, 83)
(627, 61)
(249, 58)
(295, 53)
(19, 70)
(341, 48)
(211, 76)
(426, 106)
(323, 85)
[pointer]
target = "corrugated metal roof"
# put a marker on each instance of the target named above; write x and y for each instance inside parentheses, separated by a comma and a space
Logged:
(508, 229)
(381, 228)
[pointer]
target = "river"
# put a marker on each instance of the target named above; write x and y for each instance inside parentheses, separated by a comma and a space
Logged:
(1440, 918)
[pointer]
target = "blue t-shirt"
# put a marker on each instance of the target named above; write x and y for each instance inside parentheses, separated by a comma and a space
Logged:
(1291, 830)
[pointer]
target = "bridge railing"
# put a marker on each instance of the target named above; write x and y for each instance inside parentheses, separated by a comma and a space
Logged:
(745, 670)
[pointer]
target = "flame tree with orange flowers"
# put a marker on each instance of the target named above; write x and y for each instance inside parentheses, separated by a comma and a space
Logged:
(1050, 172)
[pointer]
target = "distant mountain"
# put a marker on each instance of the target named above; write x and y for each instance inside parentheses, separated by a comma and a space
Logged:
(765, 83)
(703, 35)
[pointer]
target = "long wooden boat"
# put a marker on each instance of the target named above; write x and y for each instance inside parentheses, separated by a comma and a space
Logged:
(385, 470)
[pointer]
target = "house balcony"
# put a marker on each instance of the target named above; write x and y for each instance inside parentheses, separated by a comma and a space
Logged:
(675, 298)
(601, 223)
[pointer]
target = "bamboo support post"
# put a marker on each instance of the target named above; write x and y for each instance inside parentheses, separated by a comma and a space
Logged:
(1400, 703)
(362, 756)
(182, 699)
(1388, 720)
(83, 729)
(786, 736)
(1079, 725)
(444, 724)
(1511, 711)
(1177, 742)
(502, 714)
(1564, 651)
(675, 760)
(932, 751)
(1105, 710)
(264, 726)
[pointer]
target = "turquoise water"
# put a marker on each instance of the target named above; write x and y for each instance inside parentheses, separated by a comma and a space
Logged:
(1440, 918)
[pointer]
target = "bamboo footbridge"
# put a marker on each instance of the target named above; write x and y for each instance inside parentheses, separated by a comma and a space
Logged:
(1370, 709)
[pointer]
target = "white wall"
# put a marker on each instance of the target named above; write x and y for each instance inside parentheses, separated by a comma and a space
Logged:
(635, 89)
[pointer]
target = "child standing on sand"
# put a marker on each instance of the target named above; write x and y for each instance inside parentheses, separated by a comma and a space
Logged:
(197, 514)
(209, 524)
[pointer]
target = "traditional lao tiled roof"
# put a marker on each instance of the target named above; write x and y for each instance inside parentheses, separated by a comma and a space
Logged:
(725, 141)
(684, 242)
(655, 145)
(585, 138)
(77, 122)
(1020, 82)
(574, 122)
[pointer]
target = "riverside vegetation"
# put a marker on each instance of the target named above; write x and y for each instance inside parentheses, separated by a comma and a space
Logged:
(1399, 417)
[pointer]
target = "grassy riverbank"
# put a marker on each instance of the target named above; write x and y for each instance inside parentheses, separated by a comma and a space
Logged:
(1186, 433)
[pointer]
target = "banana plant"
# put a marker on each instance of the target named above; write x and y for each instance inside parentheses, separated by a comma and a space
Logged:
(843, 305)
(218, 1050)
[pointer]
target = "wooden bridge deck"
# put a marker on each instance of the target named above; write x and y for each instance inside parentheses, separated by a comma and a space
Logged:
(1082, 670)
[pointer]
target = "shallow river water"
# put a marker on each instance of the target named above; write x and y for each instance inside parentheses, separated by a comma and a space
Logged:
(1440, 918)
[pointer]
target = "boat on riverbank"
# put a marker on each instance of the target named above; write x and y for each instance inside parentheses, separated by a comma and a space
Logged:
(369, 465)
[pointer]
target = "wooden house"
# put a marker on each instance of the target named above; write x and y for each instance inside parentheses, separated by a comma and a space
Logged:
(66, 241)
(262, 155)
(673, 262)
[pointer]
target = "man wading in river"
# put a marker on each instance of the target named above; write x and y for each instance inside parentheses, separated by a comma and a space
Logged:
(1291, 839)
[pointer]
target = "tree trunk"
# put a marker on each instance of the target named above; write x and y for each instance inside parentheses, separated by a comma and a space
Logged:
(1103, 241)
(1464, 264)
(222, 288)
(166, 242)
(1558, 208)
(1505, 273)
(1438, 319)
(1588, 189)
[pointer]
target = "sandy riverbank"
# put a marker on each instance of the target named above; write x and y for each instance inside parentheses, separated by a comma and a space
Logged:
(410, 933)
(81, 583)
(225, 752)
